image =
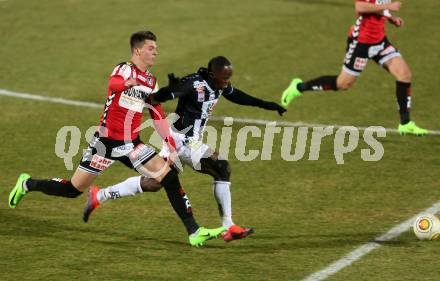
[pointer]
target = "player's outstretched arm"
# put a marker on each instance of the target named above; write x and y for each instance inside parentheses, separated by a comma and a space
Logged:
(368, 8)
(239, 97)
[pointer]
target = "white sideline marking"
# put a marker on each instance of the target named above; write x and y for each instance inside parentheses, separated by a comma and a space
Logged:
(361, 251)
(4, 92)
(7, 93)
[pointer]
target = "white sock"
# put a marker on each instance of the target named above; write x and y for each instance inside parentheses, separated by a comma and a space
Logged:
(222, 195)
(129, 187)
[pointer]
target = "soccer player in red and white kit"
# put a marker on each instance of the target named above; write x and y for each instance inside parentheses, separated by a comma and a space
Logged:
(117, 139)
(367, 40)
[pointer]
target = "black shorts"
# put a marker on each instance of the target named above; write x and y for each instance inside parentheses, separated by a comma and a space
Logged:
(102, 152)
(358, 54)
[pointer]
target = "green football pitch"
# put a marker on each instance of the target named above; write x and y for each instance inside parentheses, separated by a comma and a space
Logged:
(307, 214)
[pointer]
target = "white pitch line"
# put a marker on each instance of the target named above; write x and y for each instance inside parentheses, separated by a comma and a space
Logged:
(8, 93)
(361, 251)
(4, 92)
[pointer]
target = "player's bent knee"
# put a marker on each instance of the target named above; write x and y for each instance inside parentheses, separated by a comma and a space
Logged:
(400, 70)
(220, 170)
(405, 76)
(150, 185)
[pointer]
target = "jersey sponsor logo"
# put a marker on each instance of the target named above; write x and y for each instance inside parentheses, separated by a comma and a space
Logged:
(134, 98)
(100, 163)
(199, 86)
(150, 81)
(200, 89)
(360, 63)
(139, 92)
(122, 150)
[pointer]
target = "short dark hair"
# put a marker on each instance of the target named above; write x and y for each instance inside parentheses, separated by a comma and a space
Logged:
(218, 63)
(137, 39)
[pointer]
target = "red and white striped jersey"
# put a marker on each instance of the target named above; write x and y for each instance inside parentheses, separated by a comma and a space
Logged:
(122, 113)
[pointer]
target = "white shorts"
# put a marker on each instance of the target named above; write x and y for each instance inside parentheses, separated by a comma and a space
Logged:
(190, 151)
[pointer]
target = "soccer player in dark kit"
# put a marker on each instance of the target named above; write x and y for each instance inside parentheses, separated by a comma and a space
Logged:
(367, 40)
(117, 139)
(197, 95)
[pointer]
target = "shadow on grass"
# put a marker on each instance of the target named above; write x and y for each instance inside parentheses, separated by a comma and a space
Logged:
(173, 242)
(16, 225)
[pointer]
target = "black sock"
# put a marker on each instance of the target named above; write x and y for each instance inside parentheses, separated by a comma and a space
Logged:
(179, 201)
(323, 83)
(55, 187)
(403, 95)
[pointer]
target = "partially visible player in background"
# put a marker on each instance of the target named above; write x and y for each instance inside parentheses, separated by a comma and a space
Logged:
(367, 40)
(117, 139)
(198, 93)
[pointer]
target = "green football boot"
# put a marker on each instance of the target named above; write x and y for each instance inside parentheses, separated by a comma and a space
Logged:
(291, 92)
(411, 128)
(203, 234)
(18, 192)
